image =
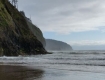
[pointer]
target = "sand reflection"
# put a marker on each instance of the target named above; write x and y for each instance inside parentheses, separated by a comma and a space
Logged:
(19, 73)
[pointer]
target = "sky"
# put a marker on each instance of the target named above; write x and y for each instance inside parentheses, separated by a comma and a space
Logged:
(80, 23)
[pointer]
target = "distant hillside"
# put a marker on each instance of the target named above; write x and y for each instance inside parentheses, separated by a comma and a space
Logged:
(54, 45)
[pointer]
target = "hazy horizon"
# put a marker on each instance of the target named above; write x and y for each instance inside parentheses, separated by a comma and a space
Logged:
(78, 23)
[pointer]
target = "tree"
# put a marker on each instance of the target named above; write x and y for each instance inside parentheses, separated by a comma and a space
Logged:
(14, 2)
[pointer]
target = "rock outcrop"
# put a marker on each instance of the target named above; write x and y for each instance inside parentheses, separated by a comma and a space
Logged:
(54, 45)
(15, 36)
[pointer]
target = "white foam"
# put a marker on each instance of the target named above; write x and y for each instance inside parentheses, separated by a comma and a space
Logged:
(62, 60)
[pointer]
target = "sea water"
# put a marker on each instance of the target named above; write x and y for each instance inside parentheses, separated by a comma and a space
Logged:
(69, 65)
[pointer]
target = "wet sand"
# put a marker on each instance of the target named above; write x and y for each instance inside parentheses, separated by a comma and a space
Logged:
(8, 72)
(84, 65)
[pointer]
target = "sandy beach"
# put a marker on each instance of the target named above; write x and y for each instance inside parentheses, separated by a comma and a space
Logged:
(84, 65)
(9, 72)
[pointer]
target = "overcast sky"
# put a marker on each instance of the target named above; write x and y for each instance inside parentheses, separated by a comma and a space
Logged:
(80, 23)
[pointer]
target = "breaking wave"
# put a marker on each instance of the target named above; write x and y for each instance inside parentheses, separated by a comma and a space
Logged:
(74, 61)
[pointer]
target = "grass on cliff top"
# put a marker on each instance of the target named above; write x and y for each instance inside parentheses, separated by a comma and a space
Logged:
(5, 18)
(11, 18)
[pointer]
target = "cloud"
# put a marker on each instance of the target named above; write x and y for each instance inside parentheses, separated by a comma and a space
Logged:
(103, 30)
(87, 43)
(68, 16)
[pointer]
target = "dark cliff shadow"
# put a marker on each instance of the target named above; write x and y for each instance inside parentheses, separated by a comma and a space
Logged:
(19, 73)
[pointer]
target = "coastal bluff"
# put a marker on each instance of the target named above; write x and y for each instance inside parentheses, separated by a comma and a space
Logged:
(54, 45)
(35, 30)
(16, 37)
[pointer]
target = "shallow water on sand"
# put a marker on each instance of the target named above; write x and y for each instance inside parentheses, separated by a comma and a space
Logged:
(8, 72)
(74, 65)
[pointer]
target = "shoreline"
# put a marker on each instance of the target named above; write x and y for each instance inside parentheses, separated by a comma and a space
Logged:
(57, 66)
(19, 72)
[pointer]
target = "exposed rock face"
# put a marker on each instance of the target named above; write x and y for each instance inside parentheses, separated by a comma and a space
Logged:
(15, 36)
(54, 45)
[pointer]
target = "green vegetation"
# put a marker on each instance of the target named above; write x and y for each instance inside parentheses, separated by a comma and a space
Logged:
(15, 36)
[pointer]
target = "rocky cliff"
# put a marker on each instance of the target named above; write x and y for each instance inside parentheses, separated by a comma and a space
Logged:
(54, 45)
(15, 36)
(35, 30)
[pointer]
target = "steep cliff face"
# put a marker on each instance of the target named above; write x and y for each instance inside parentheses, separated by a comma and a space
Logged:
(15, 36)
(54, 45)
(35, 30)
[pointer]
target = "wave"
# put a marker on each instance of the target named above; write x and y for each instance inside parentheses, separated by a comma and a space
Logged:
(74, 60)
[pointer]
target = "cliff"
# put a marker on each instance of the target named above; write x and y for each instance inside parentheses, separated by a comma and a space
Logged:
(15, 36)
(35, 30)
(54, 45)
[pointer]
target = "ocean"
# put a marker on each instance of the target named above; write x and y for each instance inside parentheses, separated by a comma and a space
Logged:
(71, 65)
